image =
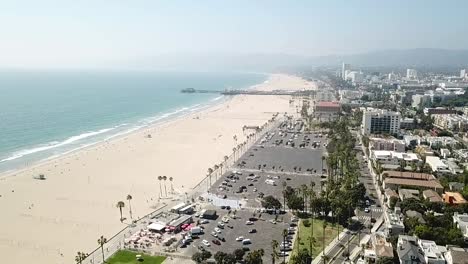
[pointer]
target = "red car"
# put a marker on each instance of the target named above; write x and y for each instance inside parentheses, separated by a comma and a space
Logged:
(216, 242)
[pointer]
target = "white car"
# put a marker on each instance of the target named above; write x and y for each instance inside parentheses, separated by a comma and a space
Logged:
(249, 223)
(206, 243)
(240, 238)
(217, 230)
(273, 221)
(225, 219)
(283, 254)
(204, 221)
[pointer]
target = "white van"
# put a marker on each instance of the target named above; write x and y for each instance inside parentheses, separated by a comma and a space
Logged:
(246, 241)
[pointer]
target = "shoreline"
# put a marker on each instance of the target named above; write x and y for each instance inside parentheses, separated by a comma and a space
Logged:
(50, 220)
(114, 138)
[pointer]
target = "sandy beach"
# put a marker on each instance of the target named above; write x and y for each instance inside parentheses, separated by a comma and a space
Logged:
(48, 221)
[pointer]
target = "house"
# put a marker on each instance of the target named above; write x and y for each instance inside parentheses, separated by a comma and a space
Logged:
(456, 186)
(456, 255)
(387, 144)
(394, 221)
(378, 247)
(437, 165)
(453, 198)
(394, 158)
(389, 194)
(408, 250)
(433, 254)
(417, 215)
(461, 221)
(432, 196)
(395, 184)
(408, 194)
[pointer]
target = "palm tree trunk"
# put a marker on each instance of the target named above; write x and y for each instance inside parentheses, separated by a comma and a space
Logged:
(102, 249)
(121, 217)
(165, 189)
(130, 206)
(160, 190)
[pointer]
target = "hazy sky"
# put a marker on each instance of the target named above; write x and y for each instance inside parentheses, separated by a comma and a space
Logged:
(51, 33)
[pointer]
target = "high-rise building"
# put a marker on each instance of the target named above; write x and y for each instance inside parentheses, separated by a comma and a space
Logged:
(355, 76)
(463, 73)
(379, 121)
(411, 74)
(345, 67)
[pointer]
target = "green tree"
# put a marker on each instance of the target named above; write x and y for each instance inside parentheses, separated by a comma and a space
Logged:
(101, 242)
(129, 199)
(120, 205)
(80, 256)
(385, 260)
(239, 254)
(255, 257)
(271, 202)
(219, 257)
(200, 257)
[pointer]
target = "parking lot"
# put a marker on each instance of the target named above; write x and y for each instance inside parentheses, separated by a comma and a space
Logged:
(236, 229)
(286, 154)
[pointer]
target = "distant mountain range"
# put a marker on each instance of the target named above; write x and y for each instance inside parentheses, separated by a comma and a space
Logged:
(418, 58)
(406, 58)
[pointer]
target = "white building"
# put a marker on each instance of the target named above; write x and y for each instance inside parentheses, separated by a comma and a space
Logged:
(411, 74)
(355, 77)
(433, 254)
(393, 157)
(463, 73)
(420, 100)
(451, 122)
(436, 164)
(345, 67)
(378, 121)
(461, 220)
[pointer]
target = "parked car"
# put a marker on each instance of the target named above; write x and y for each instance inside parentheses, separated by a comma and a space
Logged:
(249, 223)
(240, 238)
(206, 243)
(251, 231)
(216, 242)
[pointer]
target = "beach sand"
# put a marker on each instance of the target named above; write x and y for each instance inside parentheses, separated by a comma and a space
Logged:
(48, 221)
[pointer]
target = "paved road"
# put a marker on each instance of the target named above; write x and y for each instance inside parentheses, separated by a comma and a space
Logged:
(349, 242)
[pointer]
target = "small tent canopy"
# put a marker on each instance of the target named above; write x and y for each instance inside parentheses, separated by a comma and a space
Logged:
(156, 227)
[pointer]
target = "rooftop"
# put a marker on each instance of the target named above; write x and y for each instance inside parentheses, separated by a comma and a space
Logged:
(453, 198)
(328, 104)
(408, 175)
(434, 184)
(432, 196)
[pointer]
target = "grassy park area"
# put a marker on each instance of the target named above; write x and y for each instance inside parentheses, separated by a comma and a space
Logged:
(129, 257)
(303, 238)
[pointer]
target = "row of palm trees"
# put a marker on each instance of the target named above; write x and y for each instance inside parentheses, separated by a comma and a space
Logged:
(81, 256)
(164, 179)
(121, 204)
(237, 151)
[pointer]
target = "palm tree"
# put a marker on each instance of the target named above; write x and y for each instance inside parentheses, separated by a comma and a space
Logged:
(80, 256)
(285, 234)
(284, 195)
(120, 205)
(164, 179)
(234, 152)
(305, 191)
(129, 198)
(216, 167)
(274, 254)
(221, 168)
(210, 171)
(323, 159)
(101, 241)
(324, 226)
(172, 186)
(160, 189)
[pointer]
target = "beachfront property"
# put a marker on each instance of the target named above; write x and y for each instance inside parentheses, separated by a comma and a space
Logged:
(327, 110)
(378, 121)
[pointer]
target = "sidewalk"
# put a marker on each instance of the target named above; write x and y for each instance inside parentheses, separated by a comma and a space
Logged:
(329, 247)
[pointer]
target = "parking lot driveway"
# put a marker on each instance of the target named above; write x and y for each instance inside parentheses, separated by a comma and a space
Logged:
(265, 232)
(249, 197)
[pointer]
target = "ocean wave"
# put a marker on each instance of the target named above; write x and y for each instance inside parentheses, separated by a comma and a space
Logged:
(55, 144)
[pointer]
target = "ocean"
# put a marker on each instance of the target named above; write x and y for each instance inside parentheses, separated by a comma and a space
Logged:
(48, 114)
